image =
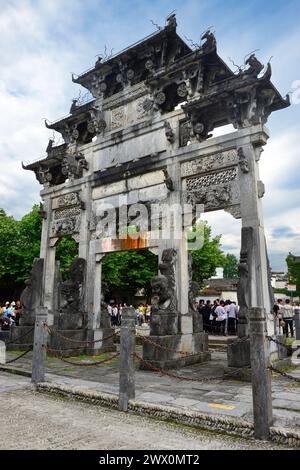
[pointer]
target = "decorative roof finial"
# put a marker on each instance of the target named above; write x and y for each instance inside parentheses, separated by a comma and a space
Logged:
(171, 20)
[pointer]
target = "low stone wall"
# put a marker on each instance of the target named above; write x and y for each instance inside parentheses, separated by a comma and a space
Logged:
(229, 425)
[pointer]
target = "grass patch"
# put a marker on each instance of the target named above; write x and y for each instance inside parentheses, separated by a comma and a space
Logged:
(16, 353)
(290, 341)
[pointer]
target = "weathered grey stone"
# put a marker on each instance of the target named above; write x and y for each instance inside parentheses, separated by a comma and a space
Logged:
(39, 346)
(238, 353)
(71, 306)
(20, 337)
(32, 294)
(261, 374)
(127, 350)
(2, 352)
(134, 142)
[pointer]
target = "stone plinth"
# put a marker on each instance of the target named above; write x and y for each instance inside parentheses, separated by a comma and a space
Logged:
(194, 345)
(62, 347)
(105, 341)
(70, 348)
(163, 323)
(238, 352)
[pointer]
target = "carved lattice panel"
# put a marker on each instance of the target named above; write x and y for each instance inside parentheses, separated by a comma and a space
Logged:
(220, 177)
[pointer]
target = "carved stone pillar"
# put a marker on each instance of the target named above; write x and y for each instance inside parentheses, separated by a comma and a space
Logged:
(96, 320)
(48, 283)
(98, 325)
(252, 217)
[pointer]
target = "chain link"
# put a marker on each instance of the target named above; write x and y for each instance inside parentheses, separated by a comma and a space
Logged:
(19, 357)
(52, 332)
(284, 374)
(269, 338)
(20, 337)
(149, 365)
(91, 364)
(164, 348)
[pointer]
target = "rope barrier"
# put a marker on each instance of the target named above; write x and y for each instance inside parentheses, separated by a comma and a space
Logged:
(164, 348)
(20, 337)
(284, 374)
(19, 357)
(74, 363)
(159, 346)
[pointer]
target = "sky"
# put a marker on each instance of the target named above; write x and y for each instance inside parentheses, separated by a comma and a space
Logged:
(44, 41)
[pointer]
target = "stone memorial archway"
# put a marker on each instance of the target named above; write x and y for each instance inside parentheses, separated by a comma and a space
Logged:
(145, 138)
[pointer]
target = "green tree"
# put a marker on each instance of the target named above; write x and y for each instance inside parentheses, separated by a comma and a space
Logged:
(231, 268)
(9, 247)
(66, 251)
(293, 265)
(29, 233)
(206, 259)
(129, 270)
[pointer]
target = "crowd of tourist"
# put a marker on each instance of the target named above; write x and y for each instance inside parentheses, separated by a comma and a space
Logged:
(10, 313)
(219, 317)
(284, 313)
(142, 313)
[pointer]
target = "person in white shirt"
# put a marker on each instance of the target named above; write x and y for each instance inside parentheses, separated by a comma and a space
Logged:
(114, 316)
(232, 316)
(288, 318)
(221, 318)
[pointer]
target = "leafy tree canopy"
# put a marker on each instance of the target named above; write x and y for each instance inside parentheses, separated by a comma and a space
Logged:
(231, 268)
(293, 272)
(66, 251)
(206, 259)
(129, 270)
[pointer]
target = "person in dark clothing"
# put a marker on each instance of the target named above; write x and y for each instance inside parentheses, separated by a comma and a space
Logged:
(206, 311)
(214, 315)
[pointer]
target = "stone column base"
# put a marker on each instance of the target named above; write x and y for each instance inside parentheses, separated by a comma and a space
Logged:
(63, 347)
(70, 348)
(107, 345)
(194, 345)
(238, 353)
(282, 351)
(21, 344)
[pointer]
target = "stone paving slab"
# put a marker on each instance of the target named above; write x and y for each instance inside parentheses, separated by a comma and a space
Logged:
(238, 410)
(222, 397)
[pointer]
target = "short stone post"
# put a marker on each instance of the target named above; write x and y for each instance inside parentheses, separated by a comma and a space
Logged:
(39, 346)
(261, 374)
(297, 323)
(2, 352)
(127, 349)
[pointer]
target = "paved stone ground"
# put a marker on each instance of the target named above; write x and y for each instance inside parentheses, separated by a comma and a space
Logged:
(36, 421)
(222, 397)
